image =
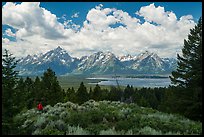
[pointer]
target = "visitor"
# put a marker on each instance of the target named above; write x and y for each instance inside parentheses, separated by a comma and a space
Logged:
(40, 107)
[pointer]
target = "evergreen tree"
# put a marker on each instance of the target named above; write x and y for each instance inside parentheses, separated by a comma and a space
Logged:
(73, 97)
(29, 92)
(188, 76)
(9, 80)
(189, 69)
(70, 95)
(128, 93)
(67, 94)
(82, 94)
(104, 94)
(96, 95)
(51, 88)
(20, 91)
(115, 94)
(37, 89)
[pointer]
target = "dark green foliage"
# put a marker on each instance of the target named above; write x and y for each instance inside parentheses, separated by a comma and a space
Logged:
(29, 92)
(70, 95)
(128, 94)
(9, 94)
(104, 94)
(20, 88)
(184, 101)
(115, 94)
(82, 94)
(52, 92)
(37, 89)
(96, 93)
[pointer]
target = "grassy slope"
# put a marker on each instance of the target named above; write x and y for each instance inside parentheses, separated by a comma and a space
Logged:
(103, 117)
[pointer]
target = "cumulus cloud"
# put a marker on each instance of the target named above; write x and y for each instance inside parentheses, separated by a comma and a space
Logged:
(99, 19)
(157, 15)
(38, 30)
(30, 19)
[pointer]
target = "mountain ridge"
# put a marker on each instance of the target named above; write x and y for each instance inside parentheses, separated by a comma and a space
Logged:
(97, 63)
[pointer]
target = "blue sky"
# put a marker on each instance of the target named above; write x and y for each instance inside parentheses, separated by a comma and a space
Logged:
(15, 33)
(69, 8)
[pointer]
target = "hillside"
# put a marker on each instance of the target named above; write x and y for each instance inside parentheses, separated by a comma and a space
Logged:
(103, 118)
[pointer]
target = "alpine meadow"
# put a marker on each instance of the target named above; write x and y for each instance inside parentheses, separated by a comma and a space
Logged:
(102, 68)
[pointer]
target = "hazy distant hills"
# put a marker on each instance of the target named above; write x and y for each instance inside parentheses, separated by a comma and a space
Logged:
(98, 63)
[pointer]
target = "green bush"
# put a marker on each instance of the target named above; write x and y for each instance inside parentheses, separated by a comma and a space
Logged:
(103, 117)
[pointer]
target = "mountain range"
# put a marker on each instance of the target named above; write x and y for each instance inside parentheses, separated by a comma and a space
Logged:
(98, 63)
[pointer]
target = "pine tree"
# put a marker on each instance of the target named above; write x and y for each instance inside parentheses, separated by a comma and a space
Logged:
(9, 80)
(37, 89)
(51, 88)
(115, 94)
(128, 92)
(96, 95)
(73, 97)
(67, 95)
(20, 91)
(29, 92)
(188, 75)
(82, 94)
(70, 95)
(189, 69)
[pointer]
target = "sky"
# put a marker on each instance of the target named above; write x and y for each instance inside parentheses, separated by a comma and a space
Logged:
(83, 28)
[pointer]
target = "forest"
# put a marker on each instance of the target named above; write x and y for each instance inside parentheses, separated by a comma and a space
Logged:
(175, 109)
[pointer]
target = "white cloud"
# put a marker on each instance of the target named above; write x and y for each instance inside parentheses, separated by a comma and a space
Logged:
(5, 41)
(75, 15)
(30, 19)
(99, 19)
(39, 31)
(9, 33)
(157, 15)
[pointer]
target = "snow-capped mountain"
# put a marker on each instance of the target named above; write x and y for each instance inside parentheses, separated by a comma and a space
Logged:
(147, 62)
(98, 63)
(57, 59)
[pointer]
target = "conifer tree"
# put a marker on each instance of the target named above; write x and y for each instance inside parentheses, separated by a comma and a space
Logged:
(51, 88)
(96, 93)
(70, 95)
(29, 92)
(82, 94)
(9, 80)
(188, 75)
(37, 88)
(20, 91)
(189, 68)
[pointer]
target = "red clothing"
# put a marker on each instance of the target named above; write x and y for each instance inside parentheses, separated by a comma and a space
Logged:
(40, 107)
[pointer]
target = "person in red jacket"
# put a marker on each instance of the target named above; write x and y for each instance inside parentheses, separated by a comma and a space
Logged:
(40, 107)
